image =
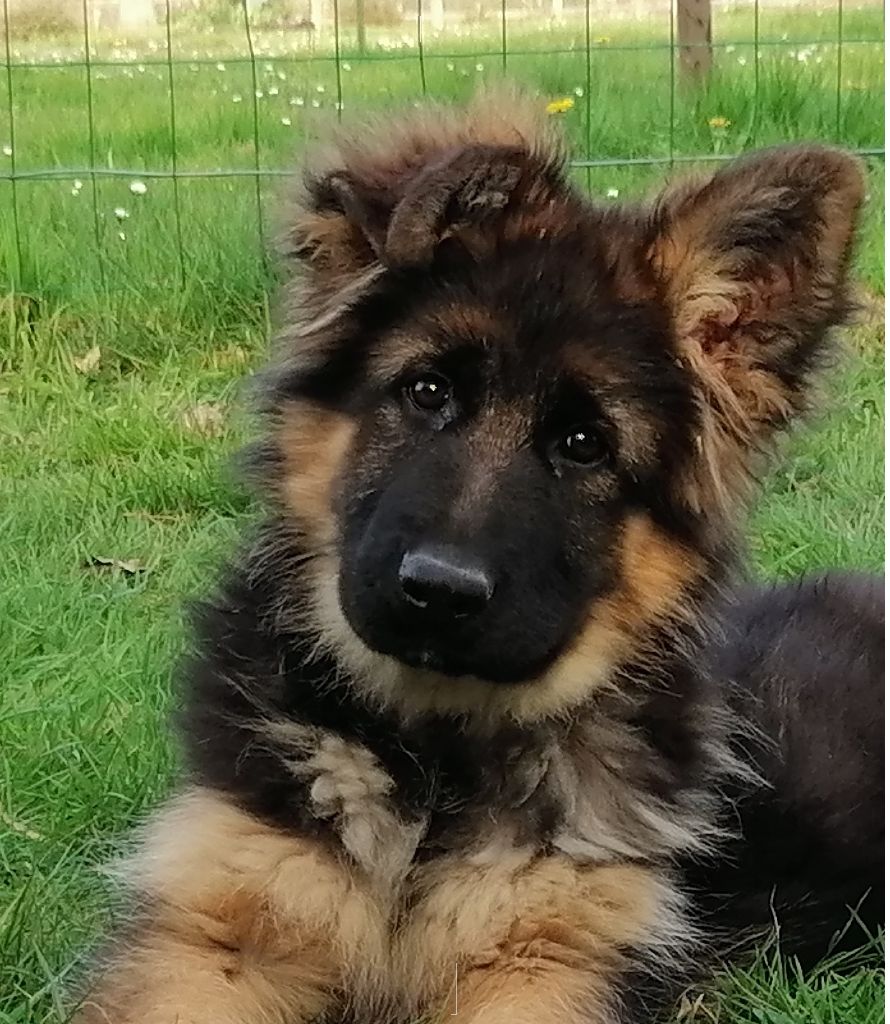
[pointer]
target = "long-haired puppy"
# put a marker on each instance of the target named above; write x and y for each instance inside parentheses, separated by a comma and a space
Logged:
(477, 727)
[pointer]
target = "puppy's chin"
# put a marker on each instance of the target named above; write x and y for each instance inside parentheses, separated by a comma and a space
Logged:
(458, 649)
(456, 664)
(455, 654)
(585, 666)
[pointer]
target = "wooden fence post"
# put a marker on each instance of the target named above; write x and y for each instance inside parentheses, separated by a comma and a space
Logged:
(694, 37)
(361, 31)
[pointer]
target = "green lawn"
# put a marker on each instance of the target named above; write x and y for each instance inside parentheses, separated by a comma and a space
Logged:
(120, 366)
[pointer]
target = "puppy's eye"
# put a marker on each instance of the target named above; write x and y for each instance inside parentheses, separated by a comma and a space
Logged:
(583, 444)
(429, 393)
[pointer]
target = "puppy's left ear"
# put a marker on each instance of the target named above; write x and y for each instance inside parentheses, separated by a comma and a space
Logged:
(753, 265)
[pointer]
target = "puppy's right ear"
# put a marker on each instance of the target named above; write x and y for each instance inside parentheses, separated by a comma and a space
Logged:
(386, 196)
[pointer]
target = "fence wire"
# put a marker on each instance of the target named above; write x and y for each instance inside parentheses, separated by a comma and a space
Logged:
(341, 53)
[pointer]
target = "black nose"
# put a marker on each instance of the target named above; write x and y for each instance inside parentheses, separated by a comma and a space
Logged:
(445, 579)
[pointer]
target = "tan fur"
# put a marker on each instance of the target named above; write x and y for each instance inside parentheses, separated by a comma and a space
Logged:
(247, 925)
(410, 350)
(532, 938)
(656, 571)
(350, 788)
(313, 442)
(242, 925)
(610, 815)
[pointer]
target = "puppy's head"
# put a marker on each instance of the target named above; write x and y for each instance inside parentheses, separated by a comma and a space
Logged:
(514, 429)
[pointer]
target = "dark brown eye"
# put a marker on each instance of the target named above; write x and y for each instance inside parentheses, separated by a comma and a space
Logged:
(429, 393)
(584, 445)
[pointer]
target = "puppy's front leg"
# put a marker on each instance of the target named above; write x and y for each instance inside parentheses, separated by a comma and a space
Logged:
(238, 924)
(551, 942)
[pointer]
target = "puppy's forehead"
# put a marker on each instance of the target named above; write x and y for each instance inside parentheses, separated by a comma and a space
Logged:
(562, 304)
(534, 327)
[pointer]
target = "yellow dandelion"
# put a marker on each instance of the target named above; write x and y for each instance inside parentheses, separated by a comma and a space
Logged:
(719, 122)
(560, 106)
(603, 39)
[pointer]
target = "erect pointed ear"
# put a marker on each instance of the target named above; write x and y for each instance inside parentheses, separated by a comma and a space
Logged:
(386, 195)
(753, 265)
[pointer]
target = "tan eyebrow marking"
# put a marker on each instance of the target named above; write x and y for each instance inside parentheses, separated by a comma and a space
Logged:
(637, 432)
(443, 328)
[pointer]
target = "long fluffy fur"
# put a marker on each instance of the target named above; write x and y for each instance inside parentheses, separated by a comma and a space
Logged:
(359, 837)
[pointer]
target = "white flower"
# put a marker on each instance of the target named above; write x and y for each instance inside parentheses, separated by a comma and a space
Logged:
(743, 61)
(78, 184)
(346, 66)
(339, 106)
(319, 88)
(220, 66)
(480, 67)
(282, 76)
(120, 213)
(194, 67)
(286, 121)
(138, 188)
(236, 97)
(450, 66)
(273, 90)
(259, 94)
(122, 236)
(269, 69)
(316, 103)
(297, 101)
(612, 193)
(730, 49)
(7, 150)
(141, 69)
(578, 91)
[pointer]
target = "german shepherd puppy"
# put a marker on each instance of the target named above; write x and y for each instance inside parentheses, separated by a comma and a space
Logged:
(477, 727)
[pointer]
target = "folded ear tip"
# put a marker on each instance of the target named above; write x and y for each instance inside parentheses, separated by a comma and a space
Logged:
(813, 166)
(841, 170)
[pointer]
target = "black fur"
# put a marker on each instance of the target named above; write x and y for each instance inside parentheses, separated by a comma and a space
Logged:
(807, 663)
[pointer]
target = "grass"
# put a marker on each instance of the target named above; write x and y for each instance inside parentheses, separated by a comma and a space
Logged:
(124, 458)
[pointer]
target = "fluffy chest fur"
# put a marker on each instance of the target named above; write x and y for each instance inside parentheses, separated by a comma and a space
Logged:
(629, 775)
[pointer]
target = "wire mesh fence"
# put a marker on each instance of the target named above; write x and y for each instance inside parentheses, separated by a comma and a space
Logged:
(137, 134)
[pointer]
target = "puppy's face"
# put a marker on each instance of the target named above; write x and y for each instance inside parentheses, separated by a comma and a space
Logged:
(510, 425)
(513, 425)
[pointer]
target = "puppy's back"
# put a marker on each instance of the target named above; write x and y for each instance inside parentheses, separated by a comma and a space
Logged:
(807, 663)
